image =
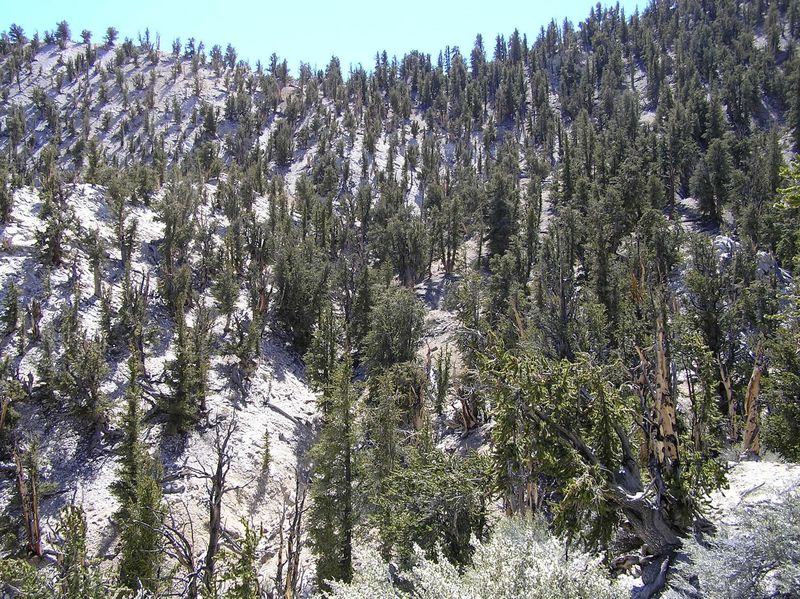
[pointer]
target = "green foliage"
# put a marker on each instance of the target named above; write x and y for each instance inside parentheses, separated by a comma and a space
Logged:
(791, 192)
(78, 576)
(282, 145)
(11, 393)
(358, 324)
(501, 197)
(51, 239)
(226, 287)
(24, 578)
(238, 574)
(266, 456)
(782, 386)
(331, 517)
(10, 317)
(437, 502)
(132, 454)
(710, 181)
(177, 212)
(554, 387)
(321, 356)
(82, 369)
(568, 421)
(6, 195)
(444, 372)
(301, 279)
(139, 494)
(186, 376)
(140, 537)
(405, 242)
(396, 322)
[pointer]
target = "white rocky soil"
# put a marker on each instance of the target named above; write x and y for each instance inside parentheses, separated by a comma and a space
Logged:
(80, 466)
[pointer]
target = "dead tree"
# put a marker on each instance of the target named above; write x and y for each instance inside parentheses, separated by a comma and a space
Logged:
(752, 442)
(290, 546)
(216, 487)
(29, 500)
(180, 547)
(34, 316)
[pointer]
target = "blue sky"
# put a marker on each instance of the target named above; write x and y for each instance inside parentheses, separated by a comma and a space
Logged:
(304, 30)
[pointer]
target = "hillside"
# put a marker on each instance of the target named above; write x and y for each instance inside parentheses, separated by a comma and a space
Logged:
(256, 319)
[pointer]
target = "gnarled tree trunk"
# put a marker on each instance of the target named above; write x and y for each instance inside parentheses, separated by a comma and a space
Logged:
(752, 443)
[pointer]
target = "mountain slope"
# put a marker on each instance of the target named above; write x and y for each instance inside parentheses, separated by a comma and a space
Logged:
(597, 211)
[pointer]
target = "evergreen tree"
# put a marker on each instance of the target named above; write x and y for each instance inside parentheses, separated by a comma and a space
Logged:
(358, 324)
(6, 195)
(321, 356)
(132, 454)
(711, 180)
(226, 289)
(396, 322)
(437, 502)
(240, 571)
(11, 309)
(301, 279)
(140, 537)
(331, 516)
(501, 195)
(183, 379)
(78, 576)
(795, 104)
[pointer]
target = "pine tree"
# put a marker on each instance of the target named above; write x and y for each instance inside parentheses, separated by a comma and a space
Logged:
(266, 455)
(362, 305)
(6, 195)
(78, 576)
(28, 471)
(301, 279)
(396, 323)
(226, 289)
(794, 112)
(96, 251)
(435, 501)
(240, 577)
(321, 356)
(501, 226)
(711, 180)
(331, 516)
(182, 377)
(140, 537)
(11, 309)
(82, 370)
(132, 455)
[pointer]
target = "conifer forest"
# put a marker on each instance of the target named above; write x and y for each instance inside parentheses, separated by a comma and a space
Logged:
(519, 320)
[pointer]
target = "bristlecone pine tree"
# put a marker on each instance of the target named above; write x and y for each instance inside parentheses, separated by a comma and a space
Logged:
(331, 518)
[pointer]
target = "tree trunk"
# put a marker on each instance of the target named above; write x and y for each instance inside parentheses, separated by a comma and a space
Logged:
(648, 521)
(727, 385)
(98, 290)
(752, 443)
(30, 506)
(214, 525)
(667, 437)
(654, 577)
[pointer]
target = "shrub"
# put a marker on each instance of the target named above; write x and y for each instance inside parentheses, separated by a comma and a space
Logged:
(755, 553)
(522, 559)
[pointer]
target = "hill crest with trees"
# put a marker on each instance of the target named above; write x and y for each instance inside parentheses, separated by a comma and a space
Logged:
(256, 318)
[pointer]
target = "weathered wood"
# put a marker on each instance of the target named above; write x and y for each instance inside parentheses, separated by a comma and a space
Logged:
(752, 441)
(664, 408)
(727, 385)
(30, 506)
